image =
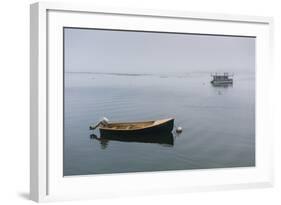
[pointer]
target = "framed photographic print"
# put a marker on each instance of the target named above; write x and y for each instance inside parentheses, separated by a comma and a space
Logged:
(127, 102)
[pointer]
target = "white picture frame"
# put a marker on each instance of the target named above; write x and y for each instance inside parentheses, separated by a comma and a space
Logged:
(46, 180)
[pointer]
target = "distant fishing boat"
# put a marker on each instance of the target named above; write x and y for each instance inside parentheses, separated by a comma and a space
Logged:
(222, 79)
(134, 128)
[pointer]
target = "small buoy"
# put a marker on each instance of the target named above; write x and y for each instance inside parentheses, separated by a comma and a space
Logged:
(179, 129)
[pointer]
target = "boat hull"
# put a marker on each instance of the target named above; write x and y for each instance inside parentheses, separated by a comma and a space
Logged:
(222, 82)
(165, 127)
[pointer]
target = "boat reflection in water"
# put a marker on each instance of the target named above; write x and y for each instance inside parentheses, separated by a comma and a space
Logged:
(164, 139)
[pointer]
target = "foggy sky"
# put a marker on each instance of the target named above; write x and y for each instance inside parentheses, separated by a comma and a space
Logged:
(88, 50)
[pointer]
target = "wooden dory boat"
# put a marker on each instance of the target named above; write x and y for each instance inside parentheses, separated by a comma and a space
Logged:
(137, 128)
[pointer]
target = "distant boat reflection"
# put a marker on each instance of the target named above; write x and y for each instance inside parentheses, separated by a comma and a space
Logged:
(162, 139)
(220, 89)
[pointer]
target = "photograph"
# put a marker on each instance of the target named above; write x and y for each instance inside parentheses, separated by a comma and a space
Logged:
(151, 101)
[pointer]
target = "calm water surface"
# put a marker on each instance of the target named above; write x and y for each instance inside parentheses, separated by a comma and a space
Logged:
(218, 122)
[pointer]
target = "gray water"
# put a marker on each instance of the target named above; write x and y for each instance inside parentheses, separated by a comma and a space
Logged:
(218, 122)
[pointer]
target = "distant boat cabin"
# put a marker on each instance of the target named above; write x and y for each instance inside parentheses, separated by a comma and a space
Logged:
(222, 79)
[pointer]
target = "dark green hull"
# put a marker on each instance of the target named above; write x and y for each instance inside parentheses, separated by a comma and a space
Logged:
(163, 138)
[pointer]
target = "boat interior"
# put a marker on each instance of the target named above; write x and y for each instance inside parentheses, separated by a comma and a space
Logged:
(133, 125)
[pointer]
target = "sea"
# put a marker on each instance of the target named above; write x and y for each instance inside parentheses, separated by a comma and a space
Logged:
(218, 123)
